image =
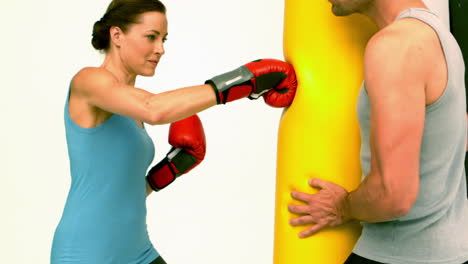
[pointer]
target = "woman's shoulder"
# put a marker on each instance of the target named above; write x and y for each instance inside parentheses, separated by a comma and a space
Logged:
(89, 78)
(93, 75)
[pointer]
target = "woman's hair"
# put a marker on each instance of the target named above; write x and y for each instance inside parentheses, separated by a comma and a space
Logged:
(122, 14)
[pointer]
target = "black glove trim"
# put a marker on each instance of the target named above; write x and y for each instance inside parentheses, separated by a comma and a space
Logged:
(266, 82)
(183, 161)
(215, 90)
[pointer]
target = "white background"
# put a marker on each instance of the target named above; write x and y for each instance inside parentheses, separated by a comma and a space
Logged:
(223, 211)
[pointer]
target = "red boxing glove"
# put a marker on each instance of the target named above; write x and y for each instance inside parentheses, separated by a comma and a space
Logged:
(274, 79)
(188, 140)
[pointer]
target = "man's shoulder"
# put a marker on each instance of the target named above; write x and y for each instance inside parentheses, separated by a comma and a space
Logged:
(402, 35)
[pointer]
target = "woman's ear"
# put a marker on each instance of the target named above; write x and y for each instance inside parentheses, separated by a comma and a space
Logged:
(116, 35)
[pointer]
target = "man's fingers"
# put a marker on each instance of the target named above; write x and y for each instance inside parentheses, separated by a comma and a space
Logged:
(303, 220)
(318, 183)
(314, 229)
(299, 209)
(304, 197)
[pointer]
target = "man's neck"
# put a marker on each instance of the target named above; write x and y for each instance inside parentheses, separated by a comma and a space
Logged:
(384, 12)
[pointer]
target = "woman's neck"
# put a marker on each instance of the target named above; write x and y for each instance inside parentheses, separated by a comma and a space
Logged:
(114, 64)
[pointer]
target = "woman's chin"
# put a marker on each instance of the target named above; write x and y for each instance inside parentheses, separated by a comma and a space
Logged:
(148, 73)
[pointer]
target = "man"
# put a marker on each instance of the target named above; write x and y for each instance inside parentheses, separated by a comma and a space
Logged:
(411, 109)
(458, 26)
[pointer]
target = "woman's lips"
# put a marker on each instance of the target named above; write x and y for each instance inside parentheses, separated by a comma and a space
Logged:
(153, 62)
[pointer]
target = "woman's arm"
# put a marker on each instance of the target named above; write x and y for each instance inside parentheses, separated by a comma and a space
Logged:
(101, 89)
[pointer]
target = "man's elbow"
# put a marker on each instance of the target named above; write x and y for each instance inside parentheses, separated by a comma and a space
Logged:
(401, 209)
(401, 204)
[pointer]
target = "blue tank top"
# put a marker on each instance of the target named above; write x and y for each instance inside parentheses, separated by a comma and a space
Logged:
(436, 228)
(104, 219)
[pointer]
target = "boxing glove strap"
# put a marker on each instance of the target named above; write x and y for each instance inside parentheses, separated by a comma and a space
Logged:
(227, 80)
(176, 163)
(161, 175)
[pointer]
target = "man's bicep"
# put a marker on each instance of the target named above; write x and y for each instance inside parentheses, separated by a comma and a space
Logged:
(397, 99)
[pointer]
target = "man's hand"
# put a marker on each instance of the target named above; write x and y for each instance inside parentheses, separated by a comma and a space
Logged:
(327, 208)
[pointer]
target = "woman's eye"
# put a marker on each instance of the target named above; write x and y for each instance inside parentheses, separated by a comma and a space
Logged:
(151, 37)
(164, 39)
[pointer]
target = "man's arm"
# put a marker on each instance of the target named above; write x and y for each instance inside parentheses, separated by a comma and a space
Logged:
(395, 77)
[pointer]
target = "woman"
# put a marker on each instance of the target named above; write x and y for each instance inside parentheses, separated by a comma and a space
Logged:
(104, 219)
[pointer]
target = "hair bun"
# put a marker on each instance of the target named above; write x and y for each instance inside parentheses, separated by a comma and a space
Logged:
(100, 40)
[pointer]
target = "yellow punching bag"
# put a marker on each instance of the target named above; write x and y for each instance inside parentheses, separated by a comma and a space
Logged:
(319, 133)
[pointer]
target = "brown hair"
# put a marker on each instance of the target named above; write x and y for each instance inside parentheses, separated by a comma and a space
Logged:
(121, 13)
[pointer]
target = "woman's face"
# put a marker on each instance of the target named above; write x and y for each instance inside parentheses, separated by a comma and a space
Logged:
(142, 46)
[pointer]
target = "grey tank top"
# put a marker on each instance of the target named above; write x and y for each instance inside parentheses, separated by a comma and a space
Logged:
(436, 228)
